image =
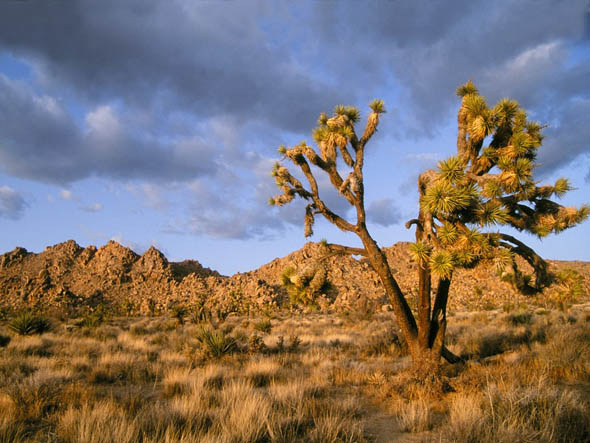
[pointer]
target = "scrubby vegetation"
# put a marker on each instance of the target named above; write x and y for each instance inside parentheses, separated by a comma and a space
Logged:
(297, 377)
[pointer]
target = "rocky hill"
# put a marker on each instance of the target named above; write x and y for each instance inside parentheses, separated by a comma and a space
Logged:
(67, 275)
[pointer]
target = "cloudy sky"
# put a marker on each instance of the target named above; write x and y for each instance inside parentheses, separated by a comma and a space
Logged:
(153, 122)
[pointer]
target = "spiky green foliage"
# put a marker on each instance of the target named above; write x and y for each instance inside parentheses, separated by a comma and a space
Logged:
(570, 287)
(215, 343)
(306, 285)
(28, 323)
(420, 251)
(377, 106)
(466, 89)
(442, 263)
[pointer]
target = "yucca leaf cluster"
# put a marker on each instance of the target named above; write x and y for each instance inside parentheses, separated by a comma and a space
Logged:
(29, 323)
(215, 343)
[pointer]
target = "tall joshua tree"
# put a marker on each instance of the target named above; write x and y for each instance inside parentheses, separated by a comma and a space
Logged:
(480, 187)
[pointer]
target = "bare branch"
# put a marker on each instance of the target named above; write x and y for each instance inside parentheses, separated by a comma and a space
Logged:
(346, 249)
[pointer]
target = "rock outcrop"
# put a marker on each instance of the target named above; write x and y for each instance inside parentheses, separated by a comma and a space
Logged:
(69, 275)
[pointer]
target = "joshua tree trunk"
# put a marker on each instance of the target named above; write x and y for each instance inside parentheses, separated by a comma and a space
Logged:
(426, 337)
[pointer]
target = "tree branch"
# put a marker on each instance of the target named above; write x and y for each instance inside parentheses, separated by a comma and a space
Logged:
(346, 249)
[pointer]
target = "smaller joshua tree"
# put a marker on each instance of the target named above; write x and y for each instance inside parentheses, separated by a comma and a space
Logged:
(307, 285)
(480, 187)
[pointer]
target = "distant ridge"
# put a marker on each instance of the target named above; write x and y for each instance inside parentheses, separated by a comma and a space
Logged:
(69, 274)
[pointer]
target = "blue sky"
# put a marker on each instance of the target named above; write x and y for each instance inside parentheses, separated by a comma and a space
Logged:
(157, 123)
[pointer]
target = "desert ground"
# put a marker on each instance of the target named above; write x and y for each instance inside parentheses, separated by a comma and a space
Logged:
(294, 376)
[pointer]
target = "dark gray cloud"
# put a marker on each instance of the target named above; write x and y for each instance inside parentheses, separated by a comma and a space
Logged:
(383, 212)
(209, 57)
(203, 91)
(40, 140)
(273, 62)
(12, 204)
(532, 50)
(568, 137)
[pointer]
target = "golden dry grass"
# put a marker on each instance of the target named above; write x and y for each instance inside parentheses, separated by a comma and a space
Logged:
(317, 377)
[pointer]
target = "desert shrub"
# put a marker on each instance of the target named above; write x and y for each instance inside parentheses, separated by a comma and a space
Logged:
(4, 340)
(28, 323)
(388, 343)
(520, 318)
(215, 343)
(178, 312)
(121, 368)
(138, 330)
(91, 320)
(264, 325)
(489, 342)
(256, 344)
(567, 354)
(294, 343)
(198, 313)
(95, 423)
(569, 287)
(37, 395)
(518, 415)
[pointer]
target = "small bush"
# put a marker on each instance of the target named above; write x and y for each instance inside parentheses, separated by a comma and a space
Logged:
(215, 343)
(294, 343)
(263, 325)
(388, 343)
(179, 312)
(37, 395)
(256, 344)
(520, 318)
(4, 340)
(28, 323)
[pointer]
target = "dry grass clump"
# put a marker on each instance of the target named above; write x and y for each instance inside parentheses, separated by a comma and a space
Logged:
(567, 354)
(511, 414)
(414, 415)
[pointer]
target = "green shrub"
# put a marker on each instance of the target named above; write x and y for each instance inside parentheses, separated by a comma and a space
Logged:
(215, 343)
(28, 323)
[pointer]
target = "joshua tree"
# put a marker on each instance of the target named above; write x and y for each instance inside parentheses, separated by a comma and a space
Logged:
(306, 285)
(480, 187)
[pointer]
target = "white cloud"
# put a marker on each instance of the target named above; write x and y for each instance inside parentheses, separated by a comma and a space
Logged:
(66, 194)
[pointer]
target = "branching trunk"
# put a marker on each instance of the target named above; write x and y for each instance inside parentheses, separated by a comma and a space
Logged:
(398, 302)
